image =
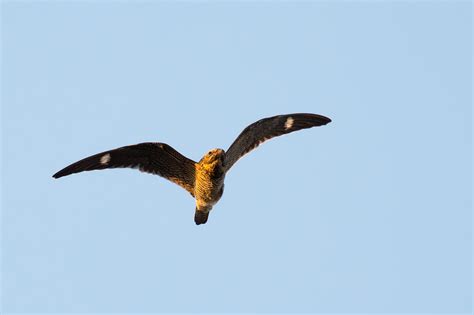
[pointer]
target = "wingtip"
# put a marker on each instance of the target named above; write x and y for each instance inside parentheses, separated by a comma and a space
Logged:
(320, 119)
(325, 120)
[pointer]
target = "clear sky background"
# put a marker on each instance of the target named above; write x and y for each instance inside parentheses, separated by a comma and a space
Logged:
(371, 213)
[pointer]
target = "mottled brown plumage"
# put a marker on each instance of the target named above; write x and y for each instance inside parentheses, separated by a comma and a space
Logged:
(204, 180)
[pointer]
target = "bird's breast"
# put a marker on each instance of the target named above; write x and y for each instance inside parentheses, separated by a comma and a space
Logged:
(209, 184)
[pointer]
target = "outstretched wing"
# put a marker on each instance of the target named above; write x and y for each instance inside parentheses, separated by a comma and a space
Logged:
(267, 128)
(155, 158)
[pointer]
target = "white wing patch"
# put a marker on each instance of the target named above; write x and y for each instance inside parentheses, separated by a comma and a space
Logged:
(105, 159)
(289, 123)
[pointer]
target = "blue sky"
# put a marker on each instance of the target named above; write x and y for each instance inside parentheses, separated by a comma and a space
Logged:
(371, 213)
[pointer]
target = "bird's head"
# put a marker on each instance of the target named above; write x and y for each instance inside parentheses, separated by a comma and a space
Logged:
(213, 156)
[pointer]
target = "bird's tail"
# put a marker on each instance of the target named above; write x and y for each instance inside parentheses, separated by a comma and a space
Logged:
(200, 216)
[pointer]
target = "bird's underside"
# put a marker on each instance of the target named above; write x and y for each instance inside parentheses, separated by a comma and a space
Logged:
(204, 180)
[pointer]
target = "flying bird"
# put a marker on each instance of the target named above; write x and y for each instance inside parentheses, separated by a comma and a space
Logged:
(204, 180)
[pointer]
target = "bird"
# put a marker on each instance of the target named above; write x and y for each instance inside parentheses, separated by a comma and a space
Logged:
(204, 180)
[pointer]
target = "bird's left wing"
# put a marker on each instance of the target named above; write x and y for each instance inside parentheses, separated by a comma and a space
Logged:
(267, 128)
(151, 157)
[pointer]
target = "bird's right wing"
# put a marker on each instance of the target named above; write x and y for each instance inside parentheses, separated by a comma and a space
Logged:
(151, 157)
(267, 128)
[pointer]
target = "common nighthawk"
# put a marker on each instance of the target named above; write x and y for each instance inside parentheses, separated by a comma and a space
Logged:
(204, 180)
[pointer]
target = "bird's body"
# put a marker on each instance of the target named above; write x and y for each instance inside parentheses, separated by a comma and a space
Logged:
(209, 183)
(204, 180)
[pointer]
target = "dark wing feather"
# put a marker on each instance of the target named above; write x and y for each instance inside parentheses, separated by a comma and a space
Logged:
(267, 128)
(155, 158)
